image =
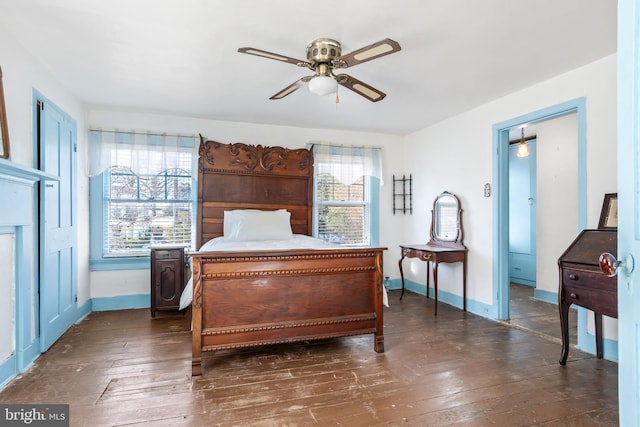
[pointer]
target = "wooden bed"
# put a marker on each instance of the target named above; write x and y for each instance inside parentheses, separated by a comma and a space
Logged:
(252, 298)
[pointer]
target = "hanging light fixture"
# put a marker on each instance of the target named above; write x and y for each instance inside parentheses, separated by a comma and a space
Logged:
(323, 82)
(323, 85)
(523, 150)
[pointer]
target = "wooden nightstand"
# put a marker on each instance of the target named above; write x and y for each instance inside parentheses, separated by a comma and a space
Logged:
(167, 277)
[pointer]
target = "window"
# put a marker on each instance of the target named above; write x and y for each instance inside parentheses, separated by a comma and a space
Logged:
(342, 211)
(142, 194)
(142, 210)
(346, 194)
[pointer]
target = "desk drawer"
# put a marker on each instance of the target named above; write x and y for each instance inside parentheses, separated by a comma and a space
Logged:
(590, 280)
(168, 253)
(415, 253)
(604, 302)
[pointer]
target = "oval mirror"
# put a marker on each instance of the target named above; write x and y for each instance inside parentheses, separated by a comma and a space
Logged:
(446, 224)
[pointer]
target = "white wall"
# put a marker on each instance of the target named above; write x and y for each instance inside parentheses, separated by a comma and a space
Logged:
(456, 155)
(556, 195)
(116, 283)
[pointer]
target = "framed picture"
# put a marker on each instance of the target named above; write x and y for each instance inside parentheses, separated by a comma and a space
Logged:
(609, 214)
(4, 131)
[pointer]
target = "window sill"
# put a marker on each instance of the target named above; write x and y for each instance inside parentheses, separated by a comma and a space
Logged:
(120, 263)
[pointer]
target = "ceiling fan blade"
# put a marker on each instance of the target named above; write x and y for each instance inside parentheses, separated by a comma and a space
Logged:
(367, 53)
(361, 88)
(270, 55)
(291, 88)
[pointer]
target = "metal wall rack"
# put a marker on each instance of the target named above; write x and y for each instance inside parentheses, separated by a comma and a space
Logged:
(402, 194)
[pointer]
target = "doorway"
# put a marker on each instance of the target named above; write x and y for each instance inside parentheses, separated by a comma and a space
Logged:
(546, 255)
(553, 152)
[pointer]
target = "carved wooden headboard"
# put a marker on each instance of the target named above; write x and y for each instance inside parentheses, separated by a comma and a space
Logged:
(241, 176)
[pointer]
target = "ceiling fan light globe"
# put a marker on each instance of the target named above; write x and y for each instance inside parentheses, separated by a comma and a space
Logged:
(323, 85)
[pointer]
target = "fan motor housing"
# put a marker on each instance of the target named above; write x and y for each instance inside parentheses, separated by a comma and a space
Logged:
(323, 50)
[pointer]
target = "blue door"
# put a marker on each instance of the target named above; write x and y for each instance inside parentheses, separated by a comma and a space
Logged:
(56, 140)
(629, 211)
(522, 215)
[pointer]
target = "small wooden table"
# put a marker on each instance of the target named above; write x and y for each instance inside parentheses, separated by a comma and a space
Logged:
(435, 253)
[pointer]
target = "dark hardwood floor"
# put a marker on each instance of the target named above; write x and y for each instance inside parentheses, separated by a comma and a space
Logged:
(126, 368)
(537, 316)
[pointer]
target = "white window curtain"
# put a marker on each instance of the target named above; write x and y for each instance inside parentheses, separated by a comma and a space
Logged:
(142, 153)
(348, 163)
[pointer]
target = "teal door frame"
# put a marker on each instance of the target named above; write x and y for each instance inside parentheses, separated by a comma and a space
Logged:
(500, 237)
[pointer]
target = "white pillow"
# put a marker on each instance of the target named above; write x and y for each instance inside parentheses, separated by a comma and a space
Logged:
(252, 224)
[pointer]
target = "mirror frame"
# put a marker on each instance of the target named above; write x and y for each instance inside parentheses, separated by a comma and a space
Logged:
(609, 212)
(4, 130)
(434, 238)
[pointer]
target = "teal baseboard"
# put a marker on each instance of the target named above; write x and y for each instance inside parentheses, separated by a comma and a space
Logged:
(474, 307)
(520, 281)
(84, 310)
(8, 370)
(122, 302)
(587, 341)
(546, 296)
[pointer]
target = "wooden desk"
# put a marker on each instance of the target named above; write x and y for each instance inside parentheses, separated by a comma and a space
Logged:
(436, 254)
(582, 283)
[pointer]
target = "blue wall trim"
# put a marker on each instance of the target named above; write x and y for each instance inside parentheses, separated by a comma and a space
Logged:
(454, 300)
(8, 370)
(84, 310)
(121, 302)
(546, 296)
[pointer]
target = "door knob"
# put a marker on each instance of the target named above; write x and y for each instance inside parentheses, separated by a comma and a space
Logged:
(609, 264)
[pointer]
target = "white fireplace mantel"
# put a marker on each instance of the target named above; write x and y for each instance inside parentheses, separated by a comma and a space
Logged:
(14, 169)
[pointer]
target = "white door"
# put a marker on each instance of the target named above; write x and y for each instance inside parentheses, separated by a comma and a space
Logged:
(628, 211)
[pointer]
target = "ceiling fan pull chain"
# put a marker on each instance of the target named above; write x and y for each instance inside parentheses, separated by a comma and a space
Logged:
(337, 97)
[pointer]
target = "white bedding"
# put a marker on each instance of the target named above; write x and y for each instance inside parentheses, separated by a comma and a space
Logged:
(299, 241)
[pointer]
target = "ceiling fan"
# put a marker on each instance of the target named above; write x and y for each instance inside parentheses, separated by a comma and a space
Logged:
(323, 57)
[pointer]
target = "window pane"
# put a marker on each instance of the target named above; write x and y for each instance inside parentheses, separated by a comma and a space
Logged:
(144, 210)
(342, 210)
(179, 188)
(342, 224)
(133, 227)
(330, 189)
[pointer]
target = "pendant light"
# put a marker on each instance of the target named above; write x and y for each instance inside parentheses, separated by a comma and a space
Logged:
(523, 150)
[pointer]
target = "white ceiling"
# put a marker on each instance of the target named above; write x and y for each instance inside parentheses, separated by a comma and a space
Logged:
(180, 57)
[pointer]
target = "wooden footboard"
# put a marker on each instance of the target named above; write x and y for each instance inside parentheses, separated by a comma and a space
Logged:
(244, 299)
